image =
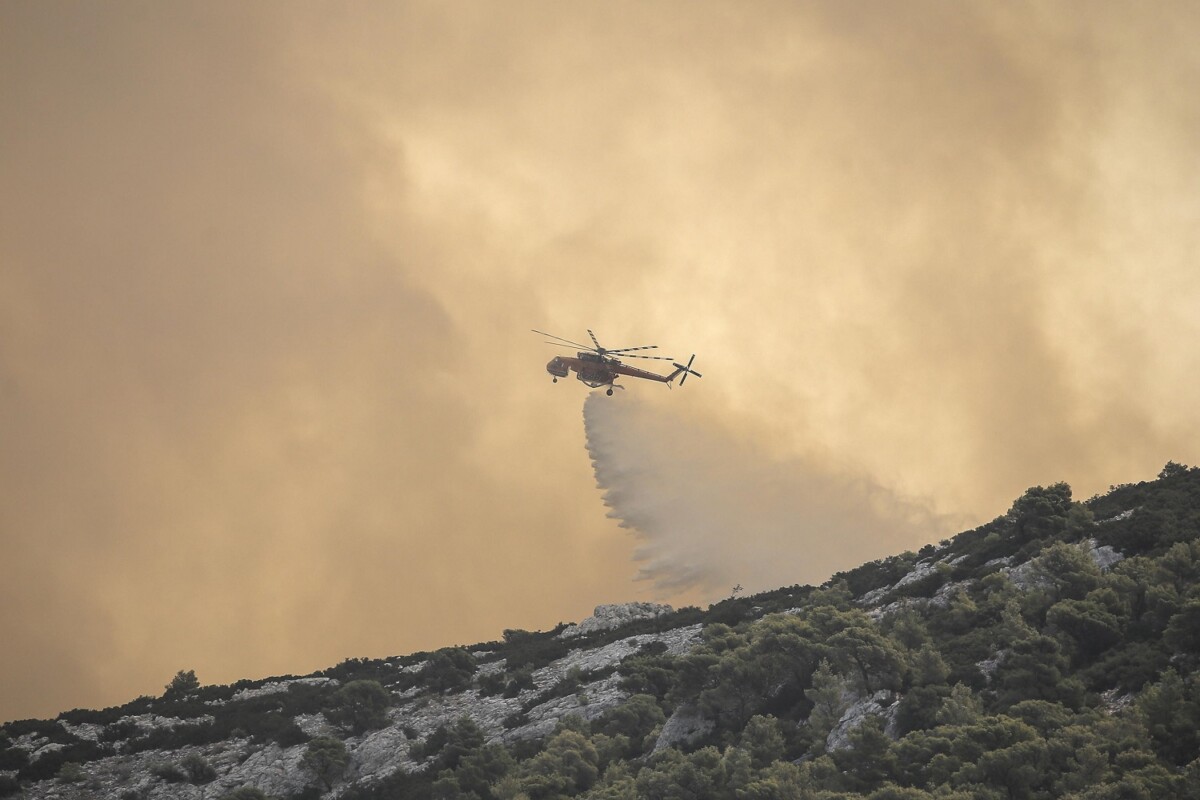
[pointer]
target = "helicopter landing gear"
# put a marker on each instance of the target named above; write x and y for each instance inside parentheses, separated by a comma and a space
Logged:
(554, 380)
(609, 392)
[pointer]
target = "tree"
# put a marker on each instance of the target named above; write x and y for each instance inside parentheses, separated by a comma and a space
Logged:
(830, 697)
(181, 685)
(962, 707)
(1172, 470)
(863, 651)
(928, 667)
(636, 718)
(782, 780)
(907, 628)
(326, 758)
(1171, 708)
(448, 670)
(482, 768)
(1041, 512)
(869, 760)
(460, 740)
(446, 787)
(360, 706)
(674, 776)
(919, 707)
(1093, 627)
(1183, 630)
(567, 766)
(1015, 761)
(1034, 670)
(763, 739)
(1066, 571)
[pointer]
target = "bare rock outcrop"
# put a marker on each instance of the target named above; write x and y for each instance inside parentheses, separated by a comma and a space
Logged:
(882, 704)
(607, 617)
(683, 727)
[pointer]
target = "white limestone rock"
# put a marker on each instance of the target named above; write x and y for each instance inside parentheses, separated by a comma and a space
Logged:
(491, 668)
(377, 754)
(278, 687)
(923, 569)
(989, 665)
(874, 596)
(88, 731)
(1115, 701)
(684, 726)
(276, 770)
(677, 641)
(606, 617)
(1027, 575)
(882, 704)
(147, 723)
(946, 594)
(1104, 556)
(315, 725)
(425, 714)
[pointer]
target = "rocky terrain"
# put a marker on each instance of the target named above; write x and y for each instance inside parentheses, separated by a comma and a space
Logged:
(1076, 612)
(276, 769)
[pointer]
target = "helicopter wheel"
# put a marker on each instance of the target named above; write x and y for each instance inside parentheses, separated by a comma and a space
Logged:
(609, 393)
(554, 380)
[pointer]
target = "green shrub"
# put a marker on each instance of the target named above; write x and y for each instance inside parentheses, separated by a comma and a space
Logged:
(326, 758)
(170, 773)
(360, 706)
(448, 670)
(197, 769)
(70, 772)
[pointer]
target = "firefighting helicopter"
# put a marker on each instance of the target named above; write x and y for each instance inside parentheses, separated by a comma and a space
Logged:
(599, 366)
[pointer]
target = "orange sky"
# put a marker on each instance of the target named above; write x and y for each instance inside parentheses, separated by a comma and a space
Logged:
(268, 397)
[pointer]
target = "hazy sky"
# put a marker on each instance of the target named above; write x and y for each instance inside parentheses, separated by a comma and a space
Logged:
(268, 395)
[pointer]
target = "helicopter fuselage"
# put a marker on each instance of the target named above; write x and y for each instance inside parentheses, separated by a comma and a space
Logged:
(594, 370)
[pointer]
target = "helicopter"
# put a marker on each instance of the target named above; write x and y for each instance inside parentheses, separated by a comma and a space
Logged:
(599, 366)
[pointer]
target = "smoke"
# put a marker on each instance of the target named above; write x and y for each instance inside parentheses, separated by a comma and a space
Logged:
(712, 508)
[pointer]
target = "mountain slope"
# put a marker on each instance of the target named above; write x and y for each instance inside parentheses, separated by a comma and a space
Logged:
(1050, 653)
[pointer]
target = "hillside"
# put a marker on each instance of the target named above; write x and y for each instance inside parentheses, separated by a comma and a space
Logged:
(1049, 653)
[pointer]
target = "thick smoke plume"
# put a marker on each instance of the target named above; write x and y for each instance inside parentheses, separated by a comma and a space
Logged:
(712, 509)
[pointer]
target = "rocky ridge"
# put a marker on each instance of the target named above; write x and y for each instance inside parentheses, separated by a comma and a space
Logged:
(517, 693)
(276, 769)
(531, 713)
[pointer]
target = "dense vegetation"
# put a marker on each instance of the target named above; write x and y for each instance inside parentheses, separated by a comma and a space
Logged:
(1005, 663)
(1082, 683)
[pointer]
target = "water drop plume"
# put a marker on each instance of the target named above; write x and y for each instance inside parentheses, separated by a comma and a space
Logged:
(711, 508)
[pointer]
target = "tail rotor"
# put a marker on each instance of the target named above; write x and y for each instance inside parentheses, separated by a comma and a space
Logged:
(686, 370)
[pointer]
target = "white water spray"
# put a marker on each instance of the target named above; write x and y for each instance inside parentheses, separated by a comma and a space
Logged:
(711, 510)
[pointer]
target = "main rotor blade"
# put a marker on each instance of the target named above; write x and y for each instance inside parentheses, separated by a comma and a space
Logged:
(598, 347)
(628, 349)
(656, 358)
(561, 339)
